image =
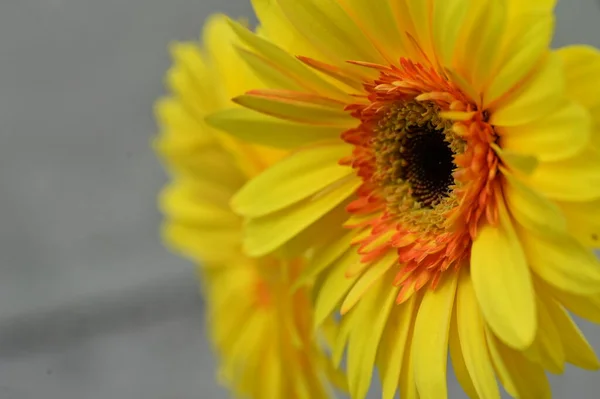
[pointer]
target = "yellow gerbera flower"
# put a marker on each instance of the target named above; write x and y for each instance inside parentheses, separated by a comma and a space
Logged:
(261, 329)
(461, 155)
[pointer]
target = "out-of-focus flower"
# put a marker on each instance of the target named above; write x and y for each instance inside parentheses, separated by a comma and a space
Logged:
(261, 328)
(461, 156)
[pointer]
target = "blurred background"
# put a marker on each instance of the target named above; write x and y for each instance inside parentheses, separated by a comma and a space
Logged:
(91, 304)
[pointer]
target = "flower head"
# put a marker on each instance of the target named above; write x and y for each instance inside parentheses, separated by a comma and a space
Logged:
(445, 177)
(261, 328)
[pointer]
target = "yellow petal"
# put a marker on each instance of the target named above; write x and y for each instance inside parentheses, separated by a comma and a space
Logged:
(219, 40)
(335, 286)
(502, 282)
(278, 61)
(252, 126)
(477, 57)
(326, 24)
(297, 107)
(375, 306)
(267, 233)
(407, 383)
(276, 27)
(574, 179)
(272, 75)
(559, 135)
(563, 262)
(420, 13)
(377, 23)
(576, 349)
(547, 348)
(447, 22)
(531, 210)
(516, 162)
(582, 67)
(583, 221)
(211, 246)
(293, 179)
(183, 202)
(458, 361)
(471, 330)
(430, 341)
(394, 345)
(522, 378)
(527, 39)
(370, 276)
(587, 307)
(347, 324)
(535, 98)
(324, 257)
(404, 22)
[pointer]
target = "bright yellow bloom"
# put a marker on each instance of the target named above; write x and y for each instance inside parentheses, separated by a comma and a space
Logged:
(461, 156)
(260, 327)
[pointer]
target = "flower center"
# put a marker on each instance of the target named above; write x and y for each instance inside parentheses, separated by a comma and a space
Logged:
(413, 150)
(429, 173)
(428, 165)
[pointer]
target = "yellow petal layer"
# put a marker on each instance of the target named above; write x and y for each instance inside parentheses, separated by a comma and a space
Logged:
(297, 107)
(583, 221)
(502, 282)
(535, 98)
(521, 377)
(574, 179)
(582, 67)
(526, 40)
(430, 342)
(531, 210)
(394, 345)
(561, 134)
(471, 330)
(325, 24)
(267, 233)
(295, 178)
(563, 262)
(252, 126)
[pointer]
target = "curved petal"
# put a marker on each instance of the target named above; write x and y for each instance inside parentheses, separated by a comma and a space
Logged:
(583, 221)
(369, 277)
(559, 135)
(430, 340)
(531, 210)
(582, 68)
(334, 287)
(267, 233)
(394, 345)
(293, 179)
(547, 349)
(325, 24)
(471, 330)
(563, 262)
(458, 361)
(252, 126)
(297, 107)
(575, 179)
(502, 282)
(363, 343)
(446, 23)
(270, 60)
(535, 98)
(377, 23)
(576, 349)
(528, 38)
(522, 378)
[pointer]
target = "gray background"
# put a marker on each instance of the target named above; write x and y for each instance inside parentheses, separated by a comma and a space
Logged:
(91, 305)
